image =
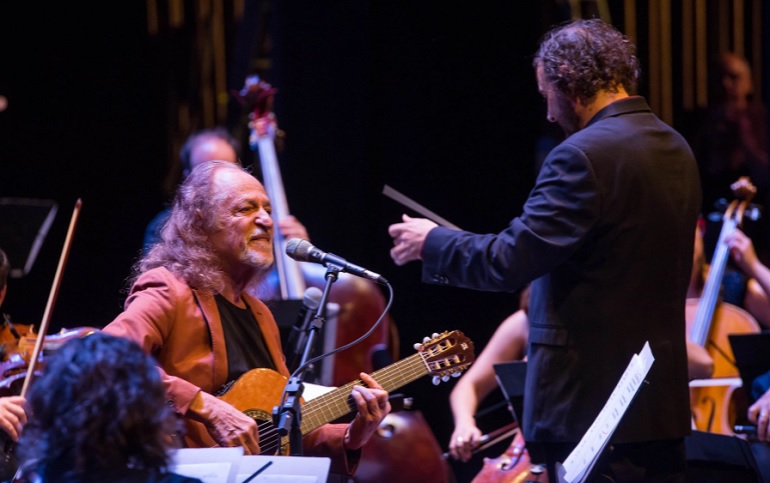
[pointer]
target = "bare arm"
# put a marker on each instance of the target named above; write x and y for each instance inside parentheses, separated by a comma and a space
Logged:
(507, 343)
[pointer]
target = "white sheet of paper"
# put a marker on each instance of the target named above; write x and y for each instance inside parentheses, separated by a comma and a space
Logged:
(593, 442)
(230, 465)
(210, 465)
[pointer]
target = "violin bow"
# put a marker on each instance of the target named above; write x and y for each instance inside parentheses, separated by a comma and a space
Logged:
(52, 297)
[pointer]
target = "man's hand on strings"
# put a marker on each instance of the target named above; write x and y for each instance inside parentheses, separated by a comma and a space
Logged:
(408, 238)
(373, 406)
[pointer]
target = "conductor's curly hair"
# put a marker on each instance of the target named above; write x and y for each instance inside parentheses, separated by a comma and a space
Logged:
(583, 57)
(99, 405)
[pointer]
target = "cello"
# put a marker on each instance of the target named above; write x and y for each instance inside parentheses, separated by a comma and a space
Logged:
(716, 402)
(360, 302)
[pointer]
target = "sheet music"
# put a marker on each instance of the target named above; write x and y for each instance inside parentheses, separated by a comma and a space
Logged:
(579, 463)
(230, 465)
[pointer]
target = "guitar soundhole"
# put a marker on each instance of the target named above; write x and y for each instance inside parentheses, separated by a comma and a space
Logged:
(269, 441)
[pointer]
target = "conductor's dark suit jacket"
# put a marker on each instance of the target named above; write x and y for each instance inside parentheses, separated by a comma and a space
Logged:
(606, 238)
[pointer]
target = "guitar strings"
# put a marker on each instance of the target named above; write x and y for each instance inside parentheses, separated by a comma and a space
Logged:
(331, 406)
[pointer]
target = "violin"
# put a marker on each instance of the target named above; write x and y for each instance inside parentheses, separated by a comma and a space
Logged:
(31, 360)
(359, 301)
(716, 402)
(513, 466)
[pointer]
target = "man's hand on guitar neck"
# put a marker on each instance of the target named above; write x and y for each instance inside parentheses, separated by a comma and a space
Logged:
(228, 426)
(373, 406)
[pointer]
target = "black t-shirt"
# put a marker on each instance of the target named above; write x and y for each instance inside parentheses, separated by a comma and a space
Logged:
(245, 345)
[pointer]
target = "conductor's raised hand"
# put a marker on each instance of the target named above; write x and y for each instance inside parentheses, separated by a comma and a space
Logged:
(408, 238)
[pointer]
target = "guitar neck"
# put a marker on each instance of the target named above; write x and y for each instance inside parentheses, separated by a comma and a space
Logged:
(338, 402)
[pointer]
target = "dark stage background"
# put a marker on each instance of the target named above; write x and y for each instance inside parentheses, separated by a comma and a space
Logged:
(435, 100)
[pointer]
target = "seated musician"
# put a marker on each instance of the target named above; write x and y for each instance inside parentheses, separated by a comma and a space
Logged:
(191, 308)
(744, 255)
(12, 414)
(99, 416)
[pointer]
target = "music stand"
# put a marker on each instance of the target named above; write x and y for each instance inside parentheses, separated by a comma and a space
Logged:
(24, 224)
(752, 357)
(511, 377)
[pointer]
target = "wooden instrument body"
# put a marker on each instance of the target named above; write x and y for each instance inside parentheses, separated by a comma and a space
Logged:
(513, 466)
(716, 405)
(720, 402)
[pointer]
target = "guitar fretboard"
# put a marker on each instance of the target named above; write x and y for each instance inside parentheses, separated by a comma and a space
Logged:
(338, 402)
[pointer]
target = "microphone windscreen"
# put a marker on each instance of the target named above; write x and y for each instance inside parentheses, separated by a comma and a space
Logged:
(312, 297)
(298, 249)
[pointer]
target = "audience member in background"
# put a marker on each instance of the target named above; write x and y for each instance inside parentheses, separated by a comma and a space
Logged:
(730, 140)
(100, 414)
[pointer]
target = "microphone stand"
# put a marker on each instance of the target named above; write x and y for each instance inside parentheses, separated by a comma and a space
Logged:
(287, 417)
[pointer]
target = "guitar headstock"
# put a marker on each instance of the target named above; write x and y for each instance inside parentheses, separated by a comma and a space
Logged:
(446, 354)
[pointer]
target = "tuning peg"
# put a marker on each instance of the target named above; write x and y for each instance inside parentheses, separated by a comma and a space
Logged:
(445, 378)
(435, 335)
(436, 380)
(425, 340)
(417, 346)
(456, 374)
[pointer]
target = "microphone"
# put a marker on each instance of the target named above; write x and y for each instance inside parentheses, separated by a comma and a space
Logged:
(303, 251)
(310, 302)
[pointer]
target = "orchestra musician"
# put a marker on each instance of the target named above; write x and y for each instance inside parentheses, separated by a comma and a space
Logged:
(13, 416)
(742, 251)
(608, 271)
(100, 414)
(190, 306)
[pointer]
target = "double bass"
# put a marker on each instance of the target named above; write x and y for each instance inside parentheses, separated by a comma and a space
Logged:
(717, 402)
(360, 302)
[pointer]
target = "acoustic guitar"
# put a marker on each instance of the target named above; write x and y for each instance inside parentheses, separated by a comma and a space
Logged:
(257, 391)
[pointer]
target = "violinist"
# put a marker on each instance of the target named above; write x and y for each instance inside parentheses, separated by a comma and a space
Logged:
(190, 306)
(608, 272)
(13, 416)
(100, 415)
